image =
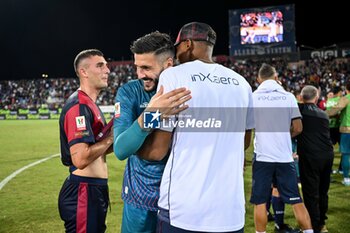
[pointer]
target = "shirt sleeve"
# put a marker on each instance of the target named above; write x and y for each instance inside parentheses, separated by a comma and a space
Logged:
(295, 112)
(78, 125)
(250, 122)
(128, 136)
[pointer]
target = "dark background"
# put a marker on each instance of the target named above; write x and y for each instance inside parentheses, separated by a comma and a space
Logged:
(43, 36)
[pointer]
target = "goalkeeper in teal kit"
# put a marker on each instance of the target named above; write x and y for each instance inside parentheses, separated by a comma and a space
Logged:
(153, 53)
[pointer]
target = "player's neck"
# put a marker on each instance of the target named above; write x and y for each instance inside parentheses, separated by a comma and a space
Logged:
(206, 60)
(92, 93)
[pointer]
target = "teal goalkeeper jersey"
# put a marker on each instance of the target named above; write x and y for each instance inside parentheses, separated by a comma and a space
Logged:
(141, 177)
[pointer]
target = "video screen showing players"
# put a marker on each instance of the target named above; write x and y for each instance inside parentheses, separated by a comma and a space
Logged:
(261, 27)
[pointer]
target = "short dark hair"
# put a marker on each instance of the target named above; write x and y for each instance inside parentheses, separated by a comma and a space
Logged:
(267, 71)
(85, 54)
(347, 85)
(154, 42)
(336, 90)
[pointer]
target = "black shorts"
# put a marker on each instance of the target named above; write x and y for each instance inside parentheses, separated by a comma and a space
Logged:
(83, 204)
(283, 175)
(335, 135)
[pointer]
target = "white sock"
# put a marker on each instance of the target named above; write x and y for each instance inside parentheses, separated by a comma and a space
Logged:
(260, 231)
(308, 231)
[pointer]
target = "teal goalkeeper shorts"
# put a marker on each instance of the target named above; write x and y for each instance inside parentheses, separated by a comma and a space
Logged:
(138, 220)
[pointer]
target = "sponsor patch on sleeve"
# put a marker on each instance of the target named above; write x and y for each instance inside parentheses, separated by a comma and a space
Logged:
(81, 134)
(117, 110)
(80, 122)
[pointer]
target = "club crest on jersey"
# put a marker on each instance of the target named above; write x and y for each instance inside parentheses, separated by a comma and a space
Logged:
(117, 110)
(80, 122)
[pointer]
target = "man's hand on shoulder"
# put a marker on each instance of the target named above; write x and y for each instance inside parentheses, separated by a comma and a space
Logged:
(170, 103)
(167, 104)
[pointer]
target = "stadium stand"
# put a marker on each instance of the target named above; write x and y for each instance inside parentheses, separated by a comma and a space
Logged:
(326, 73)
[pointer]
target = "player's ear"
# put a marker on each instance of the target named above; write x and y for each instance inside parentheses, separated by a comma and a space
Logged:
(259, 80)
(82, 72)
(188, 43)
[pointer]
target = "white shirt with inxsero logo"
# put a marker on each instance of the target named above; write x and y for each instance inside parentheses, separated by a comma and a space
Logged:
(274, 110)
(202, 184)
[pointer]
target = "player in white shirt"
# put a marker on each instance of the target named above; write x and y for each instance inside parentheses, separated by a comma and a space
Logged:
(277, 119)
(202, 188)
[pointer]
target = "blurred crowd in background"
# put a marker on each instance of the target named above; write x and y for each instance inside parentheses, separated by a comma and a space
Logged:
(325, 73)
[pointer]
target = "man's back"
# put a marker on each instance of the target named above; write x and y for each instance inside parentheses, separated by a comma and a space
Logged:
(202, 185)
(315, 139)
(274, 110)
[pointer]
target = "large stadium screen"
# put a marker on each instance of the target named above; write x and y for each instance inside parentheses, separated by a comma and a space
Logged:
(261, 27)
(262, 31)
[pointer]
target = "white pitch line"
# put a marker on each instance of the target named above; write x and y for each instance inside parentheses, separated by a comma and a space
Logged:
(10, 177)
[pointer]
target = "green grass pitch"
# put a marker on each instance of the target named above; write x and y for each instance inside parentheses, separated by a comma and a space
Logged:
(28, 202)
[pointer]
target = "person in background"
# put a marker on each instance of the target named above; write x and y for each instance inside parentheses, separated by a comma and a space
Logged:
(343, 108)
(315, 150)
(334, 122)
(278, 205)
(273, 149)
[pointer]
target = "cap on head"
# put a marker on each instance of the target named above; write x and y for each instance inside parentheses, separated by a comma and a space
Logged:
(196, 31)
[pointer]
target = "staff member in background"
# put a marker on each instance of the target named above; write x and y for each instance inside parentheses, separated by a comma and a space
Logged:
(315, 150)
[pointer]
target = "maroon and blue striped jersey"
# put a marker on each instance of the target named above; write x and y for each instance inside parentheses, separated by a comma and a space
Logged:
(81, 120)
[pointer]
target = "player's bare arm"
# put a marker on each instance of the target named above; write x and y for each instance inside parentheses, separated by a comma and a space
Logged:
(297, 127)
(84, 154)
(110, 148)
(156, 146)
(333, 111)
